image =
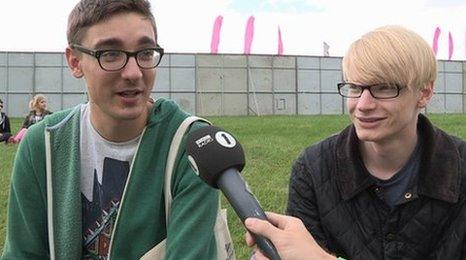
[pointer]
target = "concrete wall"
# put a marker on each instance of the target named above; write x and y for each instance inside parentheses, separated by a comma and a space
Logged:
(217, 84)
(24, 74)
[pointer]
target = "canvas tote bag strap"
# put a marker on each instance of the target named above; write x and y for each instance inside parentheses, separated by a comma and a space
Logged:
(158, 252)
(172, 153)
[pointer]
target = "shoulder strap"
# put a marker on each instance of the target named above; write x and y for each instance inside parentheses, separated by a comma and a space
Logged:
(172, 153)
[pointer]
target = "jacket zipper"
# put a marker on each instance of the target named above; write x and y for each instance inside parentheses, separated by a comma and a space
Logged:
(124, 195)
(49, 184)
(48, 163)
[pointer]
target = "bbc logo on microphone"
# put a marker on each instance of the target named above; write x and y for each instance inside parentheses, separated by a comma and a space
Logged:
(203, 141)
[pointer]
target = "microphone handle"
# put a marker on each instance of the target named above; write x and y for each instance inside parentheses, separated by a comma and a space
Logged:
(245, 205)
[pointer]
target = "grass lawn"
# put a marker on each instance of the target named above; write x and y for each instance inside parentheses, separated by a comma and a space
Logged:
(271, 144)
(7, 154)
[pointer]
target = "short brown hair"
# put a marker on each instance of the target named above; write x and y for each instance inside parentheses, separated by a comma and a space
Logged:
(391, 54)
(89, 12)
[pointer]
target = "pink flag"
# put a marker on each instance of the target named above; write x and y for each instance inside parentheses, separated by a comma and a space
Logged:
(435, 42)
(280, 42)
(216, 34)
(450, 46)
(249, 35)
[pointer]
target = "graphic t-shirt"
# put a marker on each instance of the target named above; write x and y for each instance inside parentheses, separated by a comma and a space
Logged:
(105, 167)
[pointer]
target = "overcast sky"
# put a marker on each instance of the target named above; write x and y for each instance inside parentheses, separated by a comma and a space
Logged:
(186, 25)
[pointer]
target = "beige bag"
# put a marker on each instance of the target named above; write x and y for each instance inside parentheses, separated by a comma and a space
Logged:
(225, 250)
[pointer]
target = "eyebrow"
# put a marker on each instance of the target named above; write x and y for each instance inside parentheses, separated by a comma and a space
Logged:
(106, 43)
(116, 43)
(146, 40)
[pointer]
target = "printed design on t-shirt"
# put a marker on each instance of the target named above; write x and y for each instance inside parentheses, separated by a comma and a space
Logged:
(99, 215)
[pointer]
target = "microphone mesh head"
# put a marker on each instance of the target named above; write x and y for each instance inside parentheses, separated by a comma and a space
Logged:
(211, 150)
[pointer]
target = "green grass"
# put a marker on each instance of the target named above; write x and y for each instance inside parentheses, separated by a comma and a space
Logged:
(271, 144)
(7, 154)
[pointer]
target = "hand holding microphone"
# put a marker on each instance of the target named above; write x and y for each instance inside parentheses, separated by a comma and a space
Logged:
(289, 235)
(218, 158)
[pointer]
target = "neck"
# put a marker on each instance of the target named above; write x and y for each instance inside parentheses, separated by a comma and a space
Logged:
(118, 130)
(385, 159)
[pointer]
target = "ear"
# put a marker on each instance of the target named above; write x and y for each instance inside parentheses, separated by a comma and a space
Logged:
(74, 63)
(426, 94)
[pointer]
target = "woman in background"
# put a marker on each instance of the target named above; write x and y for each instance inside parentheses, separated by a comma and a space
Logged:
(38, 110)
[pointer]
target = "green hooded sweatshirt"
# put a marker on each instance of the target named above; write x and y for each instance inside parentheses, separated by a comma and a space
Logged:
(45, 215)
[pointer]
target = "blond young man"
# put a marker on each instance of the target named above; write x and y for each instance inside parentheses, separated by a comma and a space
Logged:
(389, 186)
(88, 182)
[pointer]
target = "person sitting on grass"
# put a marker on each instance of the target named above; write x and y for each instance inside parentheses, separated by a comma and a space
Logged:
(5, 131)
(88, 182)
(389, 186)
(38, 106)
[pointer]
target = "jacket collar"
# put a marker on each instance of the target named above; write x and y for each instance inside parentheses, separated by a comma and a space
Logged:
(439, 175)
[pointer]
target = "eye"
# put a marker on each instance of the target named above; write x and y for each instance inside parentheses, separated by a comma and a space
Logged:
(384, 88)
(353, 88)
(146, 54)
(111, 56)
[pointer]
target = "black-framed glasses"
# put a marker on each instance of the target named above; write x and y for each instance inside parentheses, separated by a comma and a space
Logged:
(379, 91)
(115, 60)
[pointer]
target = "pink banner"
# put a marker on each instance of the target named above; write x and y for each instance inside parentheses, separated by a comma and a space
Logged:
(280, 42)
(249, 35)
(450, 46)
(216, 34)
(435, 41)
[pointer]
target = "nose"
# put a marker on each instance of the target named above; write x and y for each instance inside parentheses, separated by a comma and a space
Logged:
(366, 101)
(131, 71)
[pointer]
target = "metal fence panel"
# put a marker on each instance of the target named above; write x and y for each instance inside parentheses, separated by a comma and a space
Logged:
(224, 84)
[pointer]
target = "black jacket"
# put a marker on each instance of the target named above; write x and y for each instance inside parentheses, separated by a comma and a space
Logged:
(31, 118)
(5, 130)
(332, 193)
(4, 123)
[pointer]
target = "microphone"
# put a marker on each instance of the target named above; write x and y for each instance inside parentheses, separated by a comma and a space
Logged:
(217, 158)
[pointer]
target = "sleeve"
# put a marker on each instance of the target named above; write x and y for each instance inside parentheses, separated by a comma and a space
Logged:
(26, 236)
(190, 233)
(26, 122)
(7, 125)
(302, 201)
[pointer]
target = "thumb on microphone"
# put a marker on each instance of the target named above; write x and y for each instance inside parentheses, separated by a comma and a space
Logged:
(288, 234)
(274, 229)
(267, 228)
(260, 227)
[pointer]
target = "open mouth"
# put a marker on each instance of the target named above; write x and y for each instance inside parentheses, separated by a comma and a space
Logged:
(129, 93)
(370, 120)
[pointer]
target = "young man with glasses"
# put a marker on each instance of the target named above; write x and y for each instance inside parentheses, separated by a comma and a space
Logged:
(389, 186)
(88, 181)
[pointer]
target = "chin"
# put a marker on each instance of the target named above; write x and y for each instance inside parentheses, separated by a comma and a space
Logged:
(130, 114)
(368, 135)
